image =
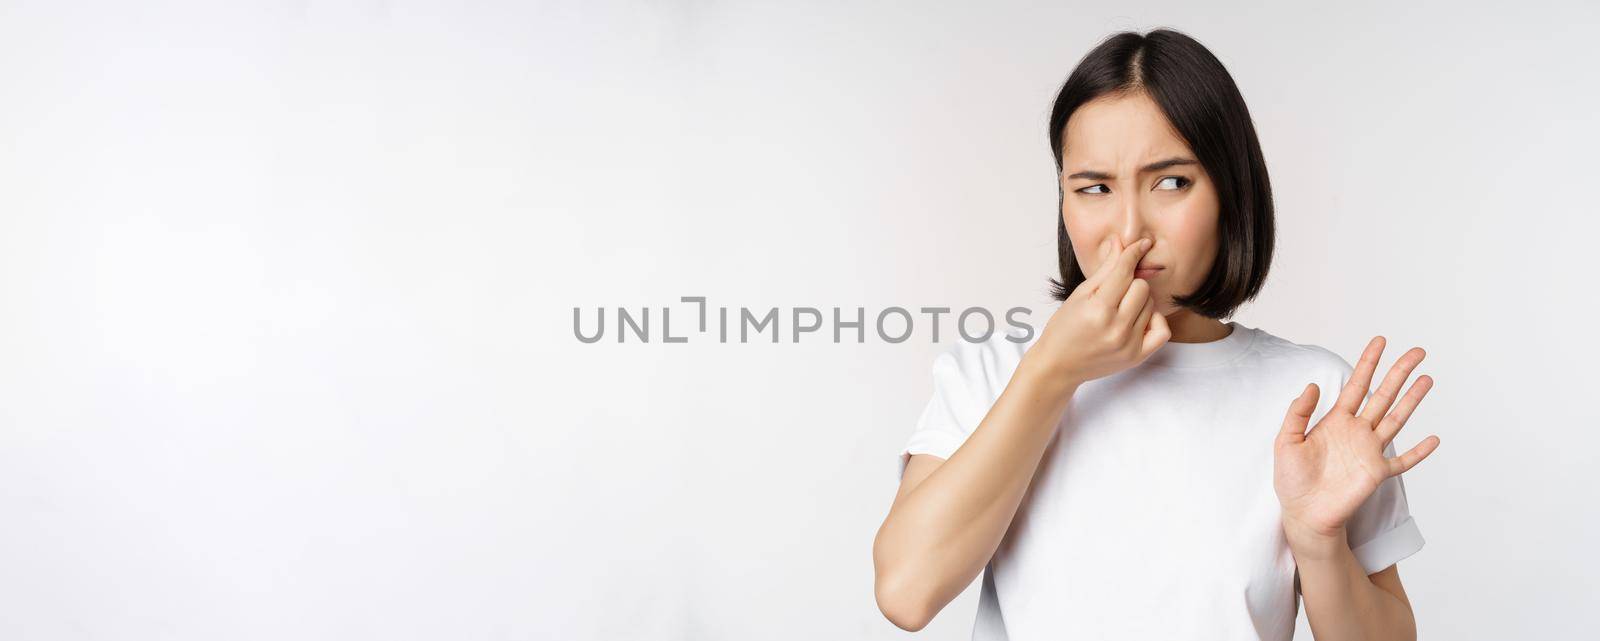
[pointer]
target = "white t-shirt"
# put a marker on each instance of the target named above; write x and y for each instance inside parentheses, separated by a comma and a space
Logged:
(1152, 514)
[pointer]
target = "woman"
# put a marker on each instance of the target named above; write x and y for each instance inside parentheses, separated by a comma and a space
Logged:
(1138, 469)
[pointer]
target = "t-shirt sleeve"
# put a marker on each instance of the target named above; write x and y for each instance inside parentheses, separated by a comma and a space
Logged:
(962, 395)
(1382, 532)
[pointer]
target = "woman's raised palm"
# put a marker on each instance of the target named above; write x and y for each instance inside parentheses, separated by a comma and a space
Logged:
(1322, 477)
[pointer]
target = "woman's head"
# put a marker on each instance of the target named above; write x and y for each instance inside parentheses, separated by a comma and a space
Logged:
(1152, 140)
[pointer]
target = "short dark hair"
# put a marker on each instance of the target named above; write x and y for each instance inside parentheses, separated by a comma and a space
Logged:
(1204, 106)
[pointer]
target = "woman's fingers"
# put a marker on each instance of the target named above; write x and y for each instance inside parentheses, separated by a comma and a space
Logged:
(1108, 256)
(1141, 327)
(1158, 333)
(1141, 324)
(1294, 423)
(1378, 404)
(1133, 302)
(1091, 283)
(1404, 462)
(1360, 381)
(1120, 272)
(1391, 423)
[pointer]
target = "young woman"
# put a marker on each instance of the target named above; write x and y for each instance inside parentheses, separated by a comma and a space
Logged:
(1140, 469)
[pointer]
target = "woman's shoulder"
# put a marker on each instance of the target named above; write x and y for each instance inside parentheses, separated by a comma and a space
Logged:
(1274, 348)
(988, 362)
(1007, 344)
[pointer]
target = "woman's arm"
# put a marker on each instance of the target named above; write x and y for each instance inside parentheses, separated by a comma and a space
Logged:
(949, 516)
(1342, 602)
(1322, 478)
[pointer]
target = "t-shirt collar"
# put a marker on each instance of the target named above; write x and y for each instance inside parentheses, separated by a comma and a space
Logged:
(1208, 354)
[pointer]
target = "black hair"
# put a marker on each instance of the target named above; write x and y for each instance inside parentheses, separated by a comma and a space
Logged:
(1204, 106)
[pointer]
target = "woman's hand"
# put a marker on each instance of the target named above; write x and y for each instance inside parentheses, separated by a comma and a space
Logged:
(1322, 477)
(1107, 324)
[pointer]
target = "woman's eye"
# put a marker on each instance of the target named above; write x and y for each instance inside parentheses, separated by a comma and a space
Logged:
(1083, 191)
(1185, 181)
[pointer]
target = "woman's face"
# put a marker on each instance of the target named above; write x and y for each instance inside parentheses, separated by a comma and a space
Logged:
(1127, 175)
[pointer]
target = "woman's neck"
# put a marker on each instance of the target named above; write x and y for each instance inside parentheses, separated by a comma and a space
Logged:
(1189, 327)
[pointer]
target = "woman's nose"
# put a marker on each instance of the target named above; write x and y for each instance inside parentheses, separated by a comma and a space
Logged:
(1131, 226)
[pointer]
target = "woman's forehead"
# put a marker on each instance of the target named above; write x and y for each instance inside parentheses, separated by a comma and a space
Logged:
(1126, 131)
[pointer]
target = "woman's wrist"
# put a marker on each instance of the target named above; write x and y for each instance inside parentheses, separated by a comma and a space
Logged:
(1046, 376)
(1311, 544)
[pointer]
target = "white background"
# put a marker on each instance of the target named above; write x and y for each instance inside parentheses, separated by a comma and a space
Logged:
(287, 345)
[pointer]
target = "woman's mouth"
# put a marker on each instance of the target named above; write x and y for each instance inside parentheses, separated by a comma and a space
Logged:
(1146, 272)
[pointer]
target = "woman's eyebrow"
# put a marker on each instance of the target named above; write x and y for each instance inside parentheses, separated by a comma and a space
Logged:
(1155, 166)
